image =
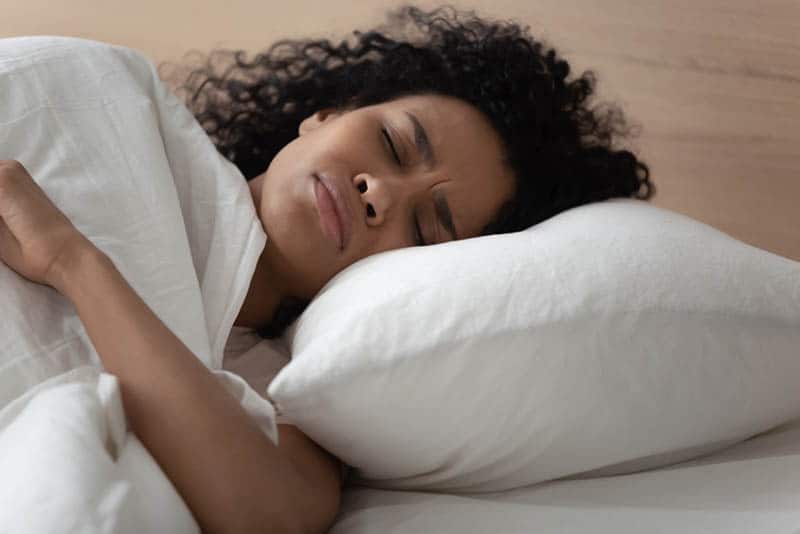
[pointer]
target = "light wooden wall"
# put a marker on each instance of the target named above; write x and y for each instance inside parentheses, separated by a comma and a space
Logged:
(714, 84)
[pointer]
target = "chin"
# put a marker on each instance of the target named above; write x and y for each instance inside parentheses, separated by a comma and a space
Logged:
(299, 271)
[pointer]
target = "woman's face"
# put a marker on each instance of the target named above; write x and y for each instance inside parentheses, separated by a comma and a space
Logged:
(425, 160)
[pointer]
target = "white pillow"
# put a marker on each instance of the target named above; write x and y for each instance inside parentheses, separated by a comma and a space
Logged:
(613, 337)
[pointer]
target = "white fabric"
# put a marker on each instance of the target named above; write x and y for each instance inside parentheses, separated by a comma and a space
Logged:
(255, 360)
(132, 169)
(613, 337)
(750, 488)
(69, 465)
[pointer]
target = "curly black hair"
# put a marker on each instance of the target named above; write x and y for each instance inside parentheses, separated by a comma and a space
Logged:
(560, 151)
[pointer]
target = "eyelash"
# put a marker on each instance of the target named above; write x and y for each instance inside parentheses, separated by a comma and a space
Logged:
(391, 145)
(418, 233)
(419, 241)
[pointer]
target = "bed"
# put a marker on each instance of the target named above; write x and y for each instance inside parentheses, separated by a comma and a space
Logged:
(748, 484)
(751, 487)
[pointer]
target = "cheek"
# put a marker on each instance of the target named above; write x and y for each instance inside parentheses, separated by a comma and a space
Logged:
(298, 250)
(285, 197)
(385, 240)
(298, 264)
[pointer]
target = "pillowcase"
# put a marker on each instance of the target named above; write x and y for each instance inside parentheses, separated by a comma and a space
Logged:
(613, 337)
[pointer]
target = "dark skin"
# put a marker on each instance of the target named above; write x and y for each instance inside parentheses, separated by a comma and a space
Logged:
(351, 149)
(242, 482)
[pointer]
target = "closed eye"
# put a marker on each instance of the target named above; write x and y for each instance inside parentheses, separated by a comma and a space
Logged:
(420, 241)
(391, 145)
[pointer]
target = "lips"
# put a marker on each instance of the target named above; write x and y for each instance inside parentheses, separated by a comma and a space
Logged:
(335, 218)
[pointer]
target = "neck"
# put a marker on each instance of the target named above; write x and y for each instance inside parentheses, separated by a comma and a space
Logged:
(262, 299)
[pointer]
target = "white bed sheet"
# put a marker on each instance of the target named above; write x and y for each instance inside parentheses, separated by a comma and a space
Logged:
(751, 487)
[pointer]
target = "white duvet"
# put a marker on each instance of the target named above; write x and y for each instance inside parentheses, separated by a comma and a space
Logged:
(131, 168)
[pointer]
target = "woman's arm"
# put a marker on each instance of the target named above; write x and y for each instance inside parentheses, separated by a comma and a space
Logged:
(321, 469)
(231, 475)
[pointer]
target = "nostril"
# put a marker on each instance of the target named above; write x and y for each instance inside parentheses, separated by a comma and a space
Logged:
(362, 187)
(370, 211)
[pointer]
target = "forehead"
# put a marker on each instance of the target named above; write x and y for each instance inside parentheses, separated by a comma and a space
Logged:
(470, 164)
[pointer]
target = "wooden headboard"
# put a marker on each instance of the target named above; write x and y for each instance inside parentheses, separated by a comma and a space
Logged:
(714, 85)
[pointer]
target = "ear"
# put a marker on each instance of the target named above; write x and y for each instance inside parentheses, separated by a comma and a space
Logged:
(319, 118)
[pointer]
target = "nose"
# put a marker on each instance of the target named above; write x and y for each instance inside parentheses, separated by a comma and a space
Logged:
(377, 196)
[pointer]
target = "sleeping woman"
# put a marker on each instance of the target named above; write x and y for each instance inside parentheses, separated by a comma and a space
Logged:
(439, 126)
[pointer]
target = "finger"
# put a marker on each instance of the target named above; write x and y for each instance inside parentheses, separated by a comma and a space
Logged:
(24, 205)
(10, 251)
(10, 174)
(17, 186)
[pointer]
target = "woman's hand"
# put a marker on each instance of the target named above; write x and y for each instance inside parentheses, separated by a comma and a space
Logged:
(36, 238)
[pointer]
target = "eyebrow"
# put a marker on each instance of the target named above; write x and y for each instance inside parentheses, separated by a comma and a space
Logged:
(425, 148)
